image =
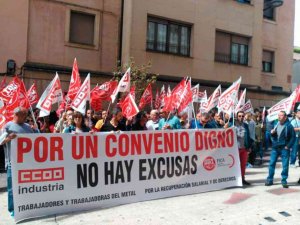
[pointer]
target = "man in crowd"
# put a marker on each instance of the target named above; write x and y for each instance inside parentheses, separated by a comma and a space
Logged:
(12, 128)
(282, 137)
(217, 121)
(295, 150)
(152, 124)
(101, 121)
(169, 121)
(244, 143)
(115, 124)
(251, 125)
(90, 119)
(64, 121)
(201, 123)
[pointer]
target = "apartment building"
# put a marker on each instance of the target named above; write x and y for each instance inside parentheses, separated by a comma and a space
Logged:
(214, 42)
(40, 37)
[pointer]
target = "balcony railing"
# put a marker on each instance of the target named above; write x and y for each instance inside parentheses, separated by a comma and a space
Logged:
(233, 58)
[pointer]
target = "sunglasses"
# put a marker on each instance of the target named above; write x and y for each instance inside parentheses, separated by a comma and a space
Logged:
(241, 116)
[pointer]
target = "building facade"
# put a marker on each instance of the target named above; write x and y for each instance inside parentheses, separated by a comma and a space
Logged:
(296, 71)
(43, 37)
(214, 42)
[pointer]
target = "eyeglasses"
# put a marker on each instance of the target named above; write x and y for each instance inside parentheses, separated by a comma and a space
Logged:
(241, 116)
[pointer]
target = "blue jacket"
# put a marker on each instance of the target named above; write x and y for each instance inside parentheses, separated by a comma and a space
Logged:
(286, 138)
(72, 128)
(199, 125)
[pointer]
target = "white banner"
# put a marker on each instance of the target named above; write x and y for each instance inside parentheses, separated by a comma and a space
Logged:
(60, 173)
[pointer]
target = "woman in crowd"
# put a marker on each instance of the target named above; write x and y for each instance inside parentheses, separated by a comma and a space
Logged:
(140, 121)
(78, 125)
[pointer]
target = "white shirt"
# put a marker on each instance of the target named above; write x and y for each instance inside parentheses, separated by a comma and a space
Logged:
(151, 125)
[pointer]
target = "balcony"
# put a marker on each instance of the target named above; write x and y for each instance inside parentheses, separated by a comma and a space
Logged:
(231, 58)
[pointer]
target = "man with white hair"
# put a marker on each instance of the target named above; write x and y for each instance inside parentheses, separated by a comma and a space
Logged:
(153, 124)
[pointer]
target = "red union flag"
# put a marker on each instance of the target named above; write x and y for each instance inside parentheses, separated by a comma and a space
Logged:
(247, 107)
(2, 117)
(51, 95)
(83, 95)
(7, 93)
(241, 102)
(195, 91)
(96, 105)
(177, 94)
(32, 94)
(228, 98)
(104, 91)
(212, 101)
(157, 100)
(186, 97)
(75, 82)
(146, 97)
(285, 105)
(296, 96)
(3, 83)
(123, 86)
(61, 107)
(132, 92)
(23, 99)
(202, 96)
(11, 105)
(263, 116)
(129, 108)
(162, 96)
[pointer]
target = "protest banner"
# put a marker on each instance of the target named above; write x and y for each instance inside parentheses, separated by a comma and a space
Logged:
(60, 173)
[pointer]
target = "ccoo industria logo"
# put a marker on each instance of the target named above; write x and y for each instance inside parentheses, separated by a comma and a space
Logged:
(41, 175)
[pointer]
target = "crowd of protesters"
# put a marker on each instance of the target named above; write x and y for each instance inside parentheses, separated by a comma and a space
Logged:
(254, 135)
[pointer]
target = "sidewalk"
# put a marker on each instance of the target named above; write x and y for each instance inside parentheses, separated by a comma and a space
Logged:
(255, 204)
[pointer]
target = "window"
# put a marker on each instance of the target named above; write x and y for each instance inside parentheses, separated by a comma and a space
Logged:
(82, 28)
(230, 48)
(269, 12)
(168, 37)
(276, 88)
(267, 61)
(244, 1)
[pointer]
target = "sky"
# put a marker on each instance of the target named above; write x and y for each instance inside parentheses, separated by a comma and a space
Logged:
(297, 24)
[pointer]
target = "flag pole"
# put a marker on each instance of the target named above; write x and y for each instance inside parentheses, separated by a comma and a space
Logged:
(196, 126)
(33, 117)
(107, 111)
(233, 117)
(60, 115)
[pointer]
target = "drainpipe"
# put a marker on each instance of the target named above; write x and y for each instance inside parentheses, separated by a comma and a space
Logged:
(121, 35)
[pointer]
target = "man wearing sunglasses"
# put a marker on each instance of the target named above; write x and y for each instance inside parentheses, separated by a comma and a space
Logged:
(244, 142)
